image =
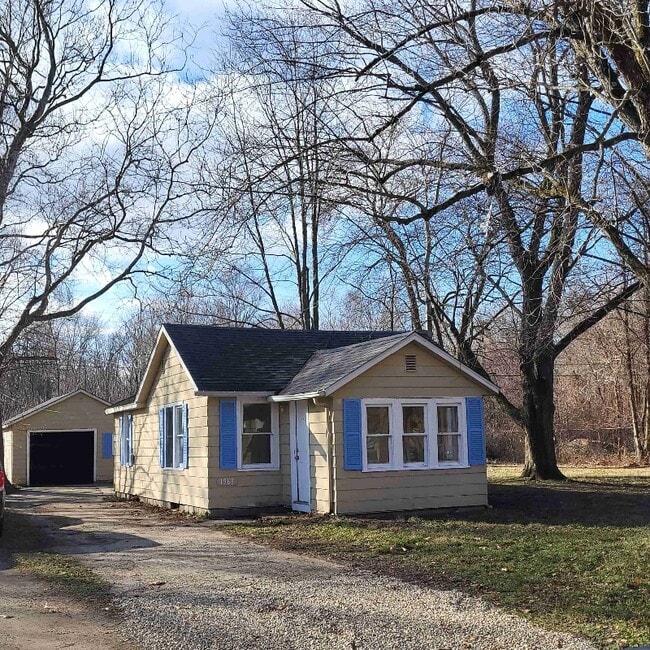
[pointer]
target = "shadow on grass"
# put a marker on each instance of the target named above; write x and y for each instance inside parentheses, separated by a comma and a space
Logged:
(556, 504)
(573, 503)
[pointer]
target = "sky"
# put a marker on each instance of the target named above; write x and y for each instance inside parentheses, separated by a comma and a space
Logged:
(205, 17)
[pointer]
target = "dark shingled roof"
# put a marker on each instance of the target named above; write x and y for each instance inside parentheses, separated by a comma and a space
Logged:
(326, 367)
(126, 400)
(254, 359)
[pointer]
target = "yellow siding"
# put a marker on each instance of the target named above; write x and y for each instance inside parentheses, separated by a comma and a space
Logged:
(319, 442)
(433, 378)
(248, 488)
(146, 479)
(76, 412)
(9, 456)
(285, 454)
(358, 491)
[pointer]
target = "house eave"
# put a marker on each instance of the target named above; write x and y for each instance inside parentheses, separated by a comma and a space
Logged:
(296, 396)
(233, 393)
(122, 408)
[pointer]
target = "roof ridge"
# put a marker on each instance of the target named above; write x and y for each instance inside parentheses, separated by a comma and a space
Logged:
(285, 330)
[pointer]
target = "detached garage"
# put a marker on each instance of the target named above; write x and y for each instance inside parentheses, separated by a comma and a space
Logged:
(67, 440)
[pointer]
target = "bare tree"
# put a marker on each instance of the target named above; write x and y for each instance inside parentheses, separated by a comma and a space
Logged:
(96, 143)
(499, 127)
(279, 213)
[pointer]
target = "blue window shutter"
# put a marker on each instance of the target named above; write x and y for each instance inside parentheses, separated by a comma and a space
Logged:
(121, 439)
(129, 440)
(186, 430)
(475, 430)
(352, 434)
(107, 445)
(161, 425)
(228, 434)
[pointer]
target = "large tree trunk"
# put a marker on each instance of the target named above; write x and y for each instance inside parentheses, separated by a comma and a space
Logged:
(539, 412)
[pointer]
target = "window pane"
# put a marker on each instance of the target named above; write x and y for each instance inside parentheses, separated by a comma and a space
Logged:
(413, 447)
(378, 449)
(448, 448)
(179, 436)
(413, 419)
(378, 420)
(447, 419)
(257, 417)
(256, 449)
(169, 437)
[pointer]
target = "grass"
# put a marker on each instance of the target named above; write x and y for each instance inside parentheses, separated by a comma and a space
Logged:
(27, 545)
(67, 575)
(570, 556)
(605, 475)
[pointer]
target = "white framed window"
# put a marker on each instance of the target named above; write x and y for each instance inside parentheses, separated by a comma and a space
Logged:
(404, 434)
(379, 439)
(126, 440)
(415, 435)
(258, 435)
(174, 431)
(449, 437)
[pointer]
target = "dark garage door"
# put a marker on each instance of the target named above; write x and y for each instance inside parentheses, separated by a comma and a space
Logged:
(61, 458)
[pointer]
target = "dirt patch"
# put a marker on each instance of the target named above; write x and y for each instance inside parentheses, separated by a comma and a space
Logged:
(49, 601)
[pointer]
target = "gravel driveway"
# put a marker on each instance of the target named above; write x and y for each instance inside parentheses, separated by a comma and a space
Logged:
(190, 586)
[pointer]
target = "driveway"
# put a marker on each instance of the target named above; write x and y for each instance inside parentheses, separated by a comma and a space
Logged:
(179, 584)
(36, 615)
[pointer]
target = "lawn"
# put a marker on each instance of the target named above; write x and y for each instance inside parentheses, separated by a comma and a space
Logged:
(571, 556)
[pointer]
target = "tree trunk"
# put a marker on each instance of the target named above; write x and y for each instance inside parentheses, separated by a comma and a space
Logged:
(539, 411)
(2, 443)
(9, 488)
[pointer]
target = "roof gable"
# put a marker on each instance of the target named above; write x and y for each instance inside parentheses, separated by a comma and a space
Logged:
(329, 370)
(326, 367)
(49, 403)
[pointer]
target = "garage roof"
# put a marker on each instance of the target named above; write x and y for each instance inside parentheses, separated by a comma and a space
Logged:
(49, 403)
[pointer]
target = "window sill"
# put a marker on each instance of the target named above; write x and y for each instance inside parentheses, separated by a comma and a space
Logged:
(415, 469)
(173, 469)
(258, 468)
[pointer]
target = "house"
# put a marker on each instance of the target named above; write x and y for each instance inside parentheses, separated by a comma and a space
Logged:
(66, 440)
(233, 420)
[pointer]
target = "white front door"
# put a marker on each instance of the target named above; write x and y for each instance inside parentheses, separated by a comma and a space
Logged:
(300, 471)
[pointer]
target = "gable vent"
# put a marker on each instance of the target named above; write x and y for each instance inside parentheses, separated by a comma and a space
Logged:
(410, 362)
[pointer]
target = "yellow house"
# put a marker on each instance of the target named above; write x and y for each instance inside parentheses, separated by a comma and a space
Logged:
(234, 420)
(63, 441)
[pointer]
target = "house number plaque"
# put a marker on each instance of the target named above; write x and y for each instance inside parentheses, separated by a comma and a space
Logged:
(227, 481)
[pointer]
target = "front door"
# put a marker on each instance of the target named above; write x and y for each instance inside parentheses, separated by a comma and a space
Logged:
(300, 474)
